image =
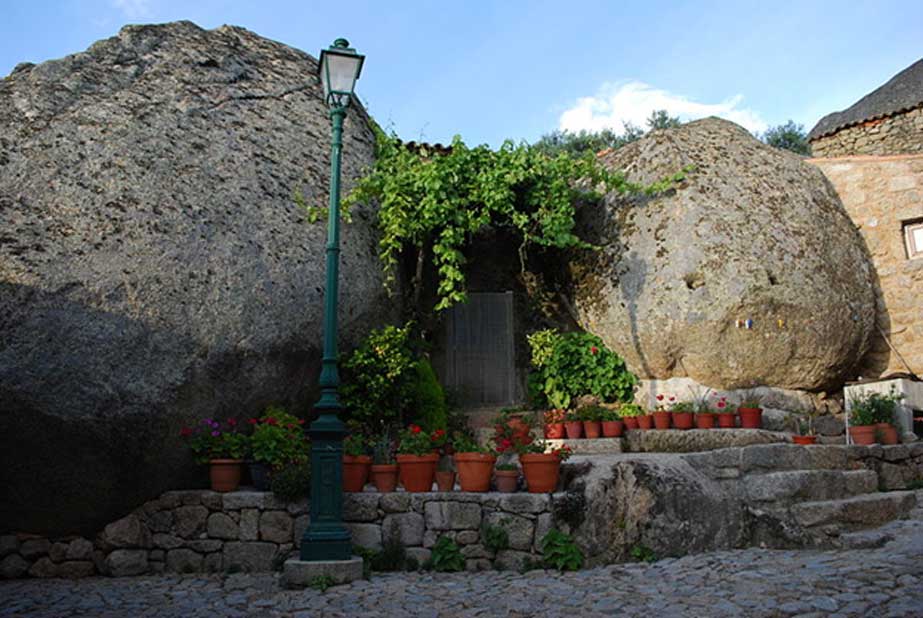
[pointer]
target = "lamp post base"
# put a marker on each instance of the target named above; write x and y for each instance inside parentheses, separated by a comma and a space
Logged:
(302, 573)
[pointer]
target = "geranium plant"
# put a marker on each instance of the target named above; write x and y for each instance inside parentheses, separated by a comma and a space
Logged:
(278, 439)
(415, 441)
(722, 406)
(355, 445)
(212, 439)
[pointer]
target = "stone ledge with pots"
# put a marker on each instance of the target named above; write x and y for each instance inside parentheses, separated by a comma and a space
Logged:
(204, 531)
(672, 441)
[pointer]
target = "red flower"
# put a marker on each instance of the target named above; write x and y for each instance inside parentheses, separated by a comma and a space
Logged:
(594, 350)
(659, 397)
(290, 426)
(415, 429)
(252, 421)
(672, 398)
(185, 431)
(301, 421)
(721, 403)
(232, 421)
(272, 421)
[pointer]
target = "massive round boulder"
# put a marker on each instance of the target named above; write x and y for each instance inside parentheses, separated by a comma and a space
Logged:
(155, 267)
(748, 272)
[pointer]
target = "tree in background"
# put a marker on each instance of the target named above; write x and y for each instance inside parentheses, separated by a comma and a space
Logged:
(578, 144)
(788, 136)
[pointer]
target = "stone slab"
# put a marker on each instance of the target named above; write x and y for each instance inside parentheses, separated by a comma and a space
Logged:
(593, 446)
(301, 573)
(694, 440)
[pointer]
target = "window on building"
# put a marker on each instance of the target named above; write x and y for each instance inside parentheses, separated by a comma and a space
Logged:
(913, 236)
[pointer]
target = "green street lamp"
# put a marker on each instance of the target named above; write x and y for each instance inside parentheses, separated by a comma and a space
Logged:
(326, 538)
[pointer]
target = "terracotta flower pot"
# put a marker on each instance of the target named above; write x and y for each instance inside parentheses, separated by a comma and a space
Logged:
(417, 471)
(613, 429)
(445, 480)
(541, 470)
(661, 420)
(862, 434)
(683, 420)
(554, 431)
(224, 474)
(592, 429)
(705, 420)
(646, 421)
(506, 480)
(384, 477)
(355, 472)
(474, 470)
(574, 429)
(804, 439)
(727, 421)
(631, 422)
(751, 418)
(519, 428)
(888, 433)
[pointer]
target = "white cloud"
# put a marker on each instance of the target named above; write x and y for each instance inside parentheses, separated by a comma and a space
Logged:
(133, 9)
(633, 102)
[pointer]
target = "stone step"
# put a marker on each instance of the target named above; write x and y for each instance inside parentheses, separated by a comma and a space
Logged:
(814, 485)
(596, 446)
(854, 513)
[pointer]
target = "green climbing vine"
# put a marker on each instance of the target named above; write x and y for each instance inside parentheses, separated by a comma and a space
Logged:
(435, 201)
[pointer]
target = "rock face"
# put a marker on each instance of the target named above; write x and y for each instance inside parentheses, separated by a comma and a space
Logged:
(154, 266)
(752, 233)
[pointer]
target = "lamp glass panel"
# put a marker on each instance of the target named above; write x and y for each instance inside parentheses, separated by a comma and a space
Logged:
(340, 70)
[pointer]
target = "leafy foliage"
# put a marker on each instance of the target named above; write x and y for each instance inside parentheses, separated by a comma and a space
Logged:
(216, 440)
(379, 388)
(583, 142)
(355, 445)
(660, 119)
(568, 365)
(643, 553)
(322, 582)
(292, 482)
(560, 552)
(496, 538)
(447, 556)
(788, 136)
(415, 441)
(429, 398)
(871, 408)
(435, 201)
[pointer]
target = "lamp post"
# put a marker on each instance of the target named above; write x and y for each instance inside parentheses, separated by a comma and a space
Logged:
(326, 538)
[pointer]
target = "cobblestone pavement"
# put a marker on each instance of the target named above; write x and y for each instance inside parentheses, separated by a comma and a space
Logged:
(870, 583)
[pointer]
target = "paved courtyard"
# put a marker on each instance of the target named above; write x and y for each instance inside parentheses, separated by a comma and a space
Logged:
(870, 583)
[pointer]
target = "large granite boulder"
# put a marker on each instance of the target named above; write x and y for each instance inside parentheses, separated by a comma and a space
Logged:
(154, 266)
(753, 233)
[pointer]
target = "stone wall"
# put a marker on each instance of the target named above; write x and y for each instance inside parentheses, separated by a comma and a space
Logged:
(880, 193)
(898, 134)
(204, 531)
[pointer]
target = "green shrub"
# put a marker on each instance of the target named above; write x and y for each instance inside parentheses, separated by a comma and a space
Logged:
(560, 552)
(569, 365)
(429, 398)
(292, 483)
(871, 408)
(321, 582)
(278, 438)
(447, 556)
(642, 553)
(496, 538)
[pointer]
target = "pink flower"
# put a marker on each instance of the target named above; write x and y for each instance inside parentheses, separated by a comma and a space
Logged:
(216, 433)
(659, 397)
(721, 403)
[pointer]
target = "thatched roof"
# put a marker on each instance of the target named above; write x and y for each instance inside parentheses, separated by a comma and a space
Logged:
(902, 92)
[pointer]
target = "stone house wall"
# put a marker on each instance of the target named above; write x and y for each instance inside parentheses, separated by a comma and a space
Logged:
(898, 134)
(881, 194)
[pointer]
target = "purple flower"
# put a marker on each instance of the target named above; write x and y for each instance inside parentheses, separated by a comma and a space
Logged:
(216, 433)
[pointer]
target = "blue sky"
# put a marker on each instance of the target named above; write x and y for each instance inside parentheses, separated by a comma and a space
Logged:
(509, 69)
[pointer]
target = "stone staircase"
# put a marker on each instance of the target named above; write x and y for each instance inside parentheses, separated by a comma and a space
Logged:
(814, 496)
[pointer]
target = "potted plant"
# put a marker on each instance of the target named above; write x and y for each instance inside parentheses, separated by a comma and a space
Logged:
(751, 414)
(704, 417)
(630, 413)
(883, 407)
(506, 475)
(573, 425)
(726, 413)
(445, 475)
(474, 462)
(662, 414)
(592, 419)
(554, 424)
(682, 416)
(384, 470)
(805, 433)
(278, 440)
(513, 423)
(541, 466)
(416, 459)
(646, 421)
(862, 422)
(612, 424)
(222, 447)
(356, 463)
